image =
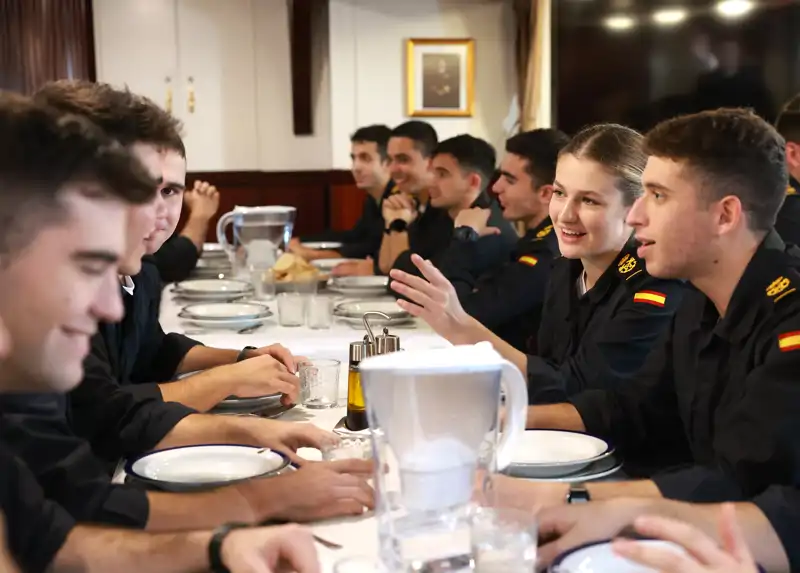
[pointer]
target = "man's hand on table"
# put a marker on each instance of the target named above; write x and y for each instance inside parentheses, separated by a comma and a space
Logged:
(279, 353)
(284, 437)
(316, 491)
(270, 549)
(257, 376)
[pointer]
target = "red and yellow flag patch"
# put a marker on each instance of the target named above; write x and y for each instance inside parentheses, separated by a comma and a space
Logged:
(650, 297)
(789, 341)
(528, 260)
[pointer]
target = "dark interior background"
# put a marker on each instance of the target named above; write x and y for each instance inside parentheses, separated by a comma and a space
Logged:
(647, 73)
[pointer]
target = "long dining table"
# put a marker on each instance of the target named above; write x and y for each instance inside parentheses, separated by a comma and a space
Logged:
(358, 536)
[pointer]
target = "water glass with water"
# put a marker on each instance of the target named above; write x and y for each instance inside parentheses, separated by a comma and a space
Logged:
(319, 383)
(291, 309)
(503, 540)
(263, 281)
(319, 311)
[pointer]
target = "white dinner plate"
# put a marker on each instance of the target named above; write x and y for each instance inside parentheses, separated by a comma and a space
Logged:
(213, 248)
(225, 323)
(205, 466)
(322, 245)
(225, 311)
(327, 265)
(374, 321)
(212, 287)
(602, 468)
(599, 558)
(357, 308)
(551, 453)
(359, 286)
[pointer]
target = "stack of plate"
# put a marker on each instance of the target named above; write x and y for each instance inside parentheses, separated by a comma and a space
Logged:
(327, 265)
(213, 263)
(556, 455)
(213, 290)
(322, 245)
(193, 468)
(359, 286)
(226, 315)
(261, 404)
(352, 312)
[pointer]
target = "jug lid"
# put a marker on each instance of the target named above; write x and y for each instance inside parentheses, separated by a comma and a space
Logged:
(481, 357)
(263, 209)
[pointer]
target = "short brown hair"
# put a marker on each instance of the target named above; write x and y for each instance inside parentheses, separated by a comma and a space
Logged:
(42, 152)
(788, 122)
(125, 116)
(618, 149)
(734, 152)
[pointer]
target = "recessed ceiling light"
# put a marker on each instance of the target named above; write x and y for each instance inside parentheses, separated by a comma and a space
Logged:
(619, 22)
(669, 16)
(734, 8)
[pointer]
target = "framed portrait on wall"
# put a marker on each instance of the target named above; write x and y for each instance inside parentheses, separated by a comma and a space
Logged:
(440, 77)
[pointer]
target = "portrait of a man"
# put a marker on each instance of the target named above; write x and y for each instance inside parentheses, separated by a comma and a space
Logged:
(441, 81)
(440, 77)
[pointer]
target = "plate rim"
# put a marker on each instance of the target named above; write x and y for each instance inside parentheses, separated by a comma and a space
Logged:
(245, 286)
(579, 476)
(533, 465)
(263, 313)
(162, 483)
(557, 562)
(330, 244)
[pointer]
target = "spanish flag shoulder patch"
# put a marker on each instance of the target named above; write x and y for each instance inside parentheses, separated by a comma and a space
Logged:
(789, 341)
(650, 297)
(528, 260)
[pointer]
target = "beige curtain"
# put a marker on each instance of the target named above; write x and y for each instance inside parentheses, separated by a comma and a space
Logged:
(531, 21)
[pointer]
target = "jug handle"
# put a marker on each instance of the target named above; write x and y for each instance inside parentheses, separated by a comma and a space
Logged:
(516, 407)
(221, 238)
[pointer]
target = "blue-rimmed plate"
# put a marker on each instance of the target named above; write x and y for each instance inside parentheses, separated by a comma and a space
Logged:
(598, 557)
(207, 466)
(554, 453)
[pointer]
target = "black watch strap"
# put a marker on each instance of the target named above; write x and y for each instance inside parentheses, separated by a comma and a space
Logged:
(215, 546)
(578, 494)
(243, 353)
(396, 226)
(465, 234)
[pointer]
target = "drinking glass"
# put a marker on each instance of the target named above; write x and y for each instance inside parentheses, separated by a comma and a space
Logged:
(263, 281)
(291, 309)
(359, 565)
(319, 311)
(503, 540)
(347, 449)
(319, 383)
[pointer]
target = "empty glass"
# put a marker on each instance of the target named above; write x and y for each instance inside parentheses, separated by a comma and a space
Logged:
(503, 540)
(319, 383)
(263, 281)
(291, 309)
(319, 311)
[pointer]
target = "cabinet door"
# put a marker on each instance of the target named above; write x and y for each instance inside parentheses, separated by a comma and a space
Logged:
(135, 45)
(216, 50)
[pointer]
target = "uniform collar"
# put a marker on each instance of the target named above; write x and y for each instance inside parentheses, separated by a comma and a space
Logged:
(764, 283)
(483, 201)
(390, 189)
(541, 231)
(626, 266)
(794, 187)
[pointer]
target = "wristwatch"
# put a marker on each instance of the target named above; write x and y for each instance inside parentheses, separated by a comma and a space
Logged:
(243, 353)
(396, 226)
(466, 234)
(578, 494)
(215, 546)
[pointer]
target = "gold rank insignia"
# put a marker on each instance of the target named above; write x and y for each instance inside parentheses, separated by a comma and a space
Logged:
(544, 232)
(789, 341)
(791, 190)
(779, 288)
(626, 264)
(650, 297)
(528, 260)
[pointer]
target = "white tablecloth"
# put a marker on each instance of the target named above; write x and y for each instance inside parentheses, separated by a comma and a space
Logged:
(358, 536)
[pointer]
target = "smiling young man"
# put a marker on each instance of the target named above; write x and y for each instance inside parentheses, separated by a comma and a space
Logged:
(106, 419)
(509, 299)
(719, 395)
(370, 169)
(64, 195)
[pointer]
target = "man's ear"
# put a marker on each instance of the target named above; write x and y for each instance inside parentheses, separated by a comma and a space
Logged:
(545, 192)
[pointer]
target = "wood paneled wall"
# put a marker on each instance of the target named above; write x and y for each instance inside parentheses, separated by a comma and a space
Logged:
(324, 199)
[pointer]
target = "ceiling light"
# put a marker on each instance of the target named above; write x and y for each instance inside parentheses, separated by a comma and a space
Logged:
(734, 8)
(619, 23)
(669, 16)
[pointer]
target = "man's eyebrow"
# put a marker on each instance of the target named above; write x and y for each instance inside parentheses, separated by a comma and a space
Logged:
(99, 256)
(176, 184)
(507, 174)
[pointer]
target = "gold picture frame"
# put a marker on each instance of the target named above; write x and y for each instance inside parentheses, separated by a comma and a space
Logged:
(440, 77)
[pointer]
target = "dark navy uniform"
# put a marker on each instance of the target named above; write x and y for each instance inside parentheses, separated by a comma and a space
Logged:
(176, 259)
(601, 339)
(430, 235)
(721, 395)
(788, 222)
(364, 239)
(508, 300)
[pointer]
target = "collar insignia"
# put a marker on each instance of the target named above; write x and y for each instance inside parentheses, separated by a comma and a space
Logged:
(544, 232)
(779, 288)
